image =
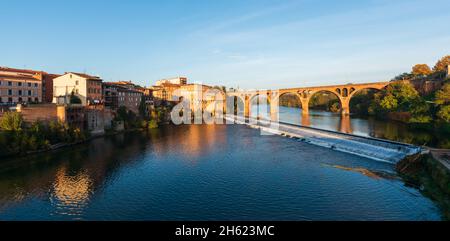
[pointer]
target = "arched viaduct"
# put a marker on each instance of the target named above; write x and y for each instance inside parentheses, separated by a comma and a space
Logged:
(304, 94)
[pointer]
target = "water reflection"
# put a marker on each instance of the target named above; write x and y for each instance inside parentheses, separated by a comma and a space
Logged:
(71, 192)
(222, 172)
(385, 129)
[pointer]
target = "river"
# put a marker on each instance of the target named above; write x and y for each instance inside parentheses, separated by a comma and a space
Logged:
(205, 172)
(384, 129)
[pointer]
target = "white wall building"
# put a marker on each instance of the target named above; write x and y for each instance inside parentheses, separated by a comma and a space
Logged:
(86, 87)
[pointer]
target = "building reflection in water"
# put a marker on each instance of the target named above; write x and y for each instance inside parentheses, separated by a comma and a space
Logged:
(190, 141)
(70, 193)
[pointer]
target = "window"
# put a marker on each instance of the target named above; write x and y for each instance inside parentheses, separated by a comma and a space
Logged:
(77, 82)
(9, 83)
(29, 84)
(10, 100)
(29, 99)
(35, 85)
(20, 92)
(36, 99)
(19, 84)
(10, 92)
(29, 93)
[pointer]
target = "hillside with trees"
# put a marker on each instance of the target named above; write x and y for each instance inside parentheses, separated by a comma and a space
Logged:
(401, 100)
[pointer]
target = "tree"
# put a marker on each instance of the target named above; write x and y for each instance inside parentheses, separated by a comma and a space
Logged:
(74, 99)
(143, 112)
(404, 76)
(442, 64)
(444, 113)
(11, 121)
(421, 69)
(389, 102)
(396, 97)
(443, 95)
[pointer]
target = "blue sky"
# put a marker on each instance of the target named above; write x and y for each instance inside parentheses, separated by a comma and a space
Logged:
(245, 43)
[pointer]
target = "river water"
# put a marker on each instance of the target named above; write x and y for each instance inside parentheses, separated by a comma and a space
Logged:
(205, 172)
(384, 129)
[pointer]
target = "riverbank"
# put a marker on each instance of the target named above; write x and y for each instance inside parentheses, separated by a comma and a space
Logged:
(431, 175)
(62, 145)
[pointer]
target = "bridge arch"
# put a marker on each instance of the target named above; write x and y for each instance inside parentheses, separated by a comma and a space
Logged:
(296, 95)
(235, 104)
(334, 93)
(254, 99)
(360, 99)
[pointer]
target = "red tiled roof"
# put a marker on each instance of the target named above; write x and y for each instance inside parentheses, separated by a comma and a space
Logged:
(28, 71)
(15, 77)
(84, 75)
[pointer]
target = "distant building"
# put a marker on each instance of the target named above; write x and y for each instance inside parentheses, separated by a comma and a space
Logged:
(175, 81)
(20, 86)
(197, 95)
(117, 94)
(165, 91)
(72, 86)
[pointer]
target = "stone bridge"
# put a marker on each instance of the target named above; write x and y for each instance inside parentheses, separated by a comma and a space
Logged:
(304, 94)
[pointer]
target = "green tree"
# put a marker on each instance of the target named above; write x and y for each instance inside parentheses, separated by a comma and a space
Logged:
(404, 76)
(396, 97)
(420, 111)
(143, 109)
(11, 121)
(444, 113)
(74, 99)
(389, 102)
(443, 95)
(442, 64)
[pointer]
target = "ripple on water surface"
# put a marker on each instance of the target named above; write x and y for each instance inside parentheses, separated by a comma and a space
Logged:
(204, 172)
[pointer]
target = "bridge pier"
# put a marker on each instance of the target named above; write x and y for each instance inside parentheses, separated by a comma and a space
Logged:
(274, 110)
(305, 106)
(345, 106)
(247, 107)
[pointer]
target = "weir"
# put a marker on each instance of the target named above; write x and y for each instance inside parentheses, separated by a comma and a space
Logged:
(368, 147)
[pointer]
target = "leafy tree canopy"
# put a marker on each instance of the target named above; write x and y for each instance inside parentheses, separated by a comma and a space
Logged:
(421, 69)
(11, 121)
(444, 113)
(442, 64)
(443, 95)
